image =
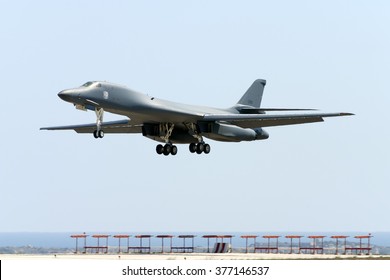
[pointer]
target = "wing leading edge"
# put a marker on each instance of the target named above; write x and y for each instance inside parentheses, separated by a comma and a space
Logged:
(241, 120)
(261, 120)
(121, 126)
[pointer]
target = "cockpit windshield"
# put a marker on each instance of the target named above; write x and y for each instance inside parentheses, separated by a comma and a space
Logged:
(87, 84)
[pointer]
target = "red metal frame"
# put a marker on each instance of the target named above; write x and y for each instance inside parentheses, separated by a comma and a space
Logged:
(337, 237)
(184, 248)
(77, 236)
(122, 236)
(246, 241)
(162, 242)
(270, 248)
(291, 237)
(141, 248)
(314, 249)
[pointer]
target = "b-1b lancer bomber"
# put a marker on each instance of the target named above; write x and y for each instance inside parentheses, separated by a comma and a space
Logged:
(174, 123)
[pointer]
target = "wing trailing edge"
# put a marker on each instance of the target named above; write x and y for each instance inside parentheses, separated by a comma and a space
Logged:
(262, 120)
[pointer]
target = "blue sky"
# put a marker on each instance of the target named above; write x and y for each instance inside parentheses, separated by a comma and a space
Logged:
(330, 55)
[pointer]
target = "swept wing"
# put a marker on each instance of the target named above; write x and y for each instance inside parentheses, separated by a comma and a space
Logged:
(121, 126)
(262, 120)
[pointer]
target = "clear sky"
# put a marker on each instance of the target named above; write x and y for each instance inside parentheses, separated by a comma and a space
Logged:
(330, 55)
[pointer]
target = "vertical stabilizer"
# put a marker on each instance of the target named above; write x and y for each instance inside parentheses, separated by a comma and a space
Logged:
(253, 95)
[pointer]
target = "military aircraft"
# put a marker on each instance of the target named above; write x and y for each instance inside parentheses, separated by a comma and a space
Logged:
(169, 122)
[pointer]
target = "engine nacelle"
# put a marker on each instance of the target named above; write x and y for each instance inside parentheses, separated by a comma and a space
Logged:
(228, 132)
(261, 134)
(216, 131)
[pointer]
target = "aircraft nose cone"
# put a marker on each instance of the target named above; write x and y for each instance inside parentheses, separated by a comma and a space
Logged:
(61, 94)
(65, 95)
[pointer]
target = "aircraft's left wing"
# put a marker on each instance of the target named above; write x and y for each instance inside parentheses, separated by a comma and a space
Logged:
(263, 120)
(121, 126)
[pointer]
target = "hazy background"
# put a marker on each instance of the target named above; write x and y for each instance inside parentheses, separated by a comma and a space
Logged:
(330, 55)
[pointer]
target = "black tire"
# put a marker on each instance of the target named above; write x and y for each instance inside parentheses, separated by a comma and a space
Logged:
(95, 134)
(192, 147)
(167, 149)
(101, 133)
(174, 150)
(207, 148)
(159, 149)
(199, 148)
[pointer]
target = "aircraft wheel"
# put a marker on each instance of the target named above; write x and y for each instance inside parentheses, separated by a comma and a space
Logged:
(95, 134)
(100, 133)
(167, 149)
(174, 150)
(192, 147)
(159, 149)
(207, 148)
(199, 148)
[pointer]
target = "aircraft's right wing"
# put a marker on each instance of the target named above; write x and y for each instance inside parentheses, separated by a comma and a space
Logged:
(264, 120)
(121, 126)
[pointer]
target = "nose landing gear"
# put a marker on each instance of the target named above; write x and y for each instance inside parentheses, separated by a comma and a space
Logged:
(99, 133)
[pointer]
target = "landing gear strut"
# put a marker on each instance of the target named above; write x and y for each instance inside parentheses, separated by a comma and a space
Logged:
(168, 148)
(201, 146)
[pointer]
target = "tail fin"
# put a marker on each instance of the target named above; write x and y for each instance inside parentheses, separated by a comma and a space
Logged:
(253, 95)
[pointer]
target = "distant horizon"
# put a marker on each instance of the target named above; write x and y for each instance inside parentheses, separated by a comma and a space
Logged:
(63, 239)
(189, 231)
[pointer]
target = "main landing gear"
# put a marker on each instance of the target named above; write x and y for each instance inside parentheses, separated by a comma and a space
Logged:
(169, 148)
(166, 149)
(200, 148)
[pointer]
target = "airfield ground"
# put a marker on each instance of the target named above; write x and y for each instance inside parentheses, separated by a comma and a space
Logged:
(194, 256)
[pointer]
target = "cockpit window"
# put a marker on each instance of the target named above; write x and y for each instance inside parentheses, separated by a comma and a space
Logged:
(87, 84)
